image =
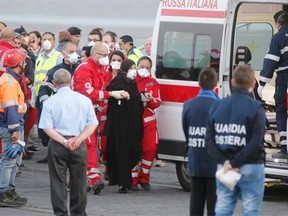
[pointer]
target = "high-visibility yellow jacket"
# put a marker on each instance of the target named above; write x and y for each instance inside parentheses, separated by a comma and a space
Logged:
(134, 54)
(12, 102)
(43, 64)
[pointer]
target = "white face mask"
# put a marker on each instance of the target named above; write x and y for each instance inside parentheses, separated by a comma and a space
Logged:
(115, 65)
(131, 74)
(104, 61)
(47, 45)
(91, 43)
(73, 58)
(143, 72)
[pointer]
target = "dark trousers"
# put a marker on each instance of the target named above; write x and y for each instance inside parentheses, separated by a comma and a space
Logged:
(60, 160)
(202, 189)
(280, 107)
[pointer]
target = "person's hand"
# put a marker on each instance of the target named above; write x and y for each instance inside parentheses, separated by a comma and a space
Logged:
(121, 94)
(15, 136)
(259, 90)
(227, 166)
(73, 143)
(146, 96)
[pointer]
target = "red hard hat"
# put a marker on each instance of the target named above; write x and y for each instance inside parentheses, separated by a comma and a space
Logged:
(13, 57)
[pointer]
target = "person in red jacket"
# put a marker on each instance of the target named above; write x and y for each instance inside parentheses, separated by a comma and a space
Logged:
(89, 79)
(150, 96)
(6, 43)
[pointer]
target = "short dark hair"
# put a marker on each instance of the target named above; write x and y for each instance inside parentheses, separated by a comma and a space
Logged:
(52, 34)
(208, 78)
(112, 33)
(96, 31)
(74, 30)
(3, 23)
(113, 37)
(144, 58)
(38, 35)
(87, 50)
(281, 17)
(127, 39)
(117, 52)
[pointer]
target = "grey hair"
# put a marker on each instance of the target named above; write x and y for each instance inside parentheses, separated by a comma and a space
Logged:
(62, 77)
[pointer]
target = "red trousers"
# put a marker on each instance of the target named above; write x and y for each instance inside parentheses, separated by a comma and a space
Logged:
(141, 173)
(31, 119)
(93, 171)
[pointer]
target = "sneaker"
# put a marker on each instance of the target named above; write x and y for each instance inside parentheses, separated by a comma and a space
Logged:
(280, 155)
(6, 201)
(145, 186)
(159, 163)
(98, 186)
(12, 194)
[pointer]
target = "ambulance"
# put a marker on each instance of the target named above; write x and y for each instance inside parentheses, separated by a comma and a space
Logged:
(190, 35)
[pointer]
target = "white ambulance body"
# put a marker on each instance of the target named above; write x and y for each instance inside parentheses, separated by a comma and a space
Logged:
(190, 35)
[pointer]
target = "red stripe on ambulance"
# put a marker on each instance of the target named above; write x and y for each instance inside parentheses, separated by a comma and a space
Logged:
(178, 93)
(193, 13)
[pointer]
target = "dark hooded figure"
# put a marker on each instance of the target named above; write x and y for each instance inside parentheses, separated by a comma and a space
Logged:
(124, 129)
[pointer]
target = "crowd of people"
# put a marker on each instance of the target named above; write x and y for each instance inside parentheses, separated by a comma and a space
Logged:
(47, 79)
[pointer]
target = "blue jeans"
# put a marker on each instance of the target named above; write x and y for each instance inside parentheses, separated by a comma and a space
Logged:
(250, 189)
(8, 166)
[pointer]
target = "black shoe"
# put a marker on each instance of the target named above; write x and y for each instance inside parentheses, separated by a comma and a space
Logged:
(12, 194)
(134, 188)
(123, 190)
(29, 155)
(145, 186)
(89, 188)
(33, 148)
(98, 186)
(43, 160)
(111, 183)
(6, 201)
(106, 178)
(280, 155)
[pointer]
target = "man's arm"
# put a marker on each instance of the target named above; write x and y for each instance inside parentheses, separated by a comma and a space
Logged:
(86, 84)
(75, 142)
(46, 88)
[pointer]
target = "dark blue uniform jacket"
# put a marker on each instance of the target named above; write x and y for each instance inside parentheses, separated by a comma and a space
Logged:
(235, 130)
(194, 117)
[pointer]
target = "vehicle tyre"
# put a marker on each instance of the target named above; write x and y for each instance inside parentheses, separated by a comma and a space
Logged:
(183, 175)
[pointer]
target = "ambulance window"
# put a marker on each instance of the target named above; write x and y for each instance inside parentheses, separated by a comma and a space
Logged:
(255, 36)
(184, 49)
(202, 51)
(177, 50)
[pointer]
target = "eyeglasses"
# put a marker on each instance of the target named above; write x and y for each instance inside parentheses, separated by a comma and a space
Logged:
(103, 55)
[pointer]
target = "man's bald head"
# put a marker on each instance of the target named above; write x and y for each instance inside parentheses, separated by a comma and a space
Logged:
(99, 47)
(99, 50)
(61, 78)
(7, 34)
